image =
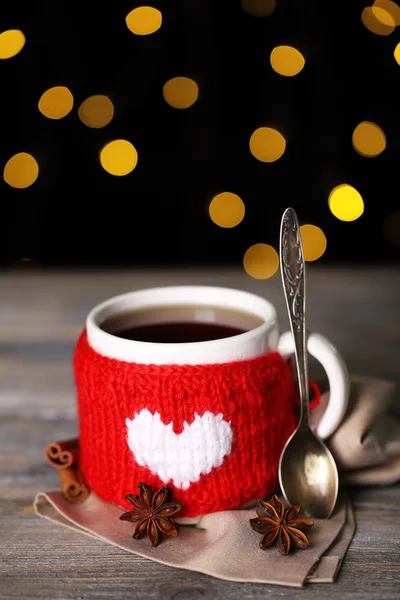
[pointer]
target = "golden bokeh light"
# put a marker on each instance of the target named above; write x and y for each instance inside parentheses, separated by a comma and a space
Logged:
(287, 61)
(391, 228)
(314, 242)
(144, 20)
(11, 43)
(368, 139)
(261, 261)
(180, 92)
(267, 144)
(56, 102)
(227, 209)
(387, 12)
(259, 8)
(96, 111)
(21, 170)
(369, 17)
(346, 203)
(118, 157)
(396, 53)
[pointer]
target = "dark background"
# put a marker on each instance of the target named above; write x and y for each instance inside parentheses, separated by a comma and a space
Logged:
(76, 214)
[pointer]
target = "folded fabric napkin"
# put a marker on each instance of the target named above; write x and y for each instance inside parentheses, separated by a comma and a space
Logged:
(221, 544)
(366, 447)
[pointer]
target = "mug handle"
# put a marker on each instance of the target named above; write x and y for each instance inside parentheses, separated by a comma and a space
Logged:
(339, 382)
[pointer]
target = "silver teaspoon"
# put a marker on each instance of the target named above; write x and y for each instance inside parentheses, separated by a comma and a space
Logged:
(307, 471)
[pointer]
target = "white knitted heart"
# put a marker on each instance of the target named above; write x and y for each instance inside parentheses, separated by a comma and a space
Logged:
(183, 457)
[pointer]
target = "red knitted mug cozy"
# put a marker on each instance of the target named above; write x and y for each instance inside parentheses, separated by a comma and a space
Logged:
(213, 433)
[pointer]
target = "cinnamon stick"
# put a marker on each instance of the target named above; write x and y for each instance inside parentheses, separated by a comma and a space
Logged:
(63, 455)
(73, 486)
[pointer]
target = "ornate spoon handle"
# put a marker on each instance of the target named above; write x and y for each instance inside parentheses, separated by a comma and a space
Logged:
(293, 280)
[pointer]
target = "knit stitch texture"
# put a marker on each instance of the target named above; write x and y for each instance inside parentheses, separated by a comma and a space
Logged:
(213, 433)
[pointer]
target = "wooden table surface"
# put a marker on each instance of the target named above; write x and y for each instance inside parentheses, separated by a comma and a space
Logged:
(41, 315)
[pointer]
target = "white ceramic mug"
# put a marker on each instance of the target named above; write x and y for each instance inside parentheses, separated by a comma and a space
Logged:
(250, 344)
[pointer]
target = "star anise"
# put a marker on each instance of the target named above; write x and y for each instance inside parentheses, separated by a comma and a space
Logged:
(152, 513)
(279, 526)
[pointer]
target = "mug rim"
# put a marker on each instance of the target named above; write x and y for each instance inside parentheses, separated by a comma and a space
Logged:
(112, 346)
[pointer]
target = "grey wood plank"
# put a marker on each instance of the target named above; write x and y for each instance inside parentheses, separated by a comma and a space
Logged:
(58, 563)
(41, 315)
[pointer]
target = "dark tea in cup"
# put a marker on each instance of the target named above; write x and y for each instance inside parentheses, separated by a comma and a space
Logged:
(180, 324)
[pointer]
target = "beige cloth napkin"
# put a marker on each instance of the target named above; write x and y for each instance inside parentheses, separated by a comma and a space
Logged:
(366, 445)
(221, 544)
(367, 449)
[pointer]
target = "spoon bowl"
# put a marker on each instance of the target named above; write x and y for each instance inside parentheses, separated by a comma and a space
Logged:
(308, 475)
(307, 471)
